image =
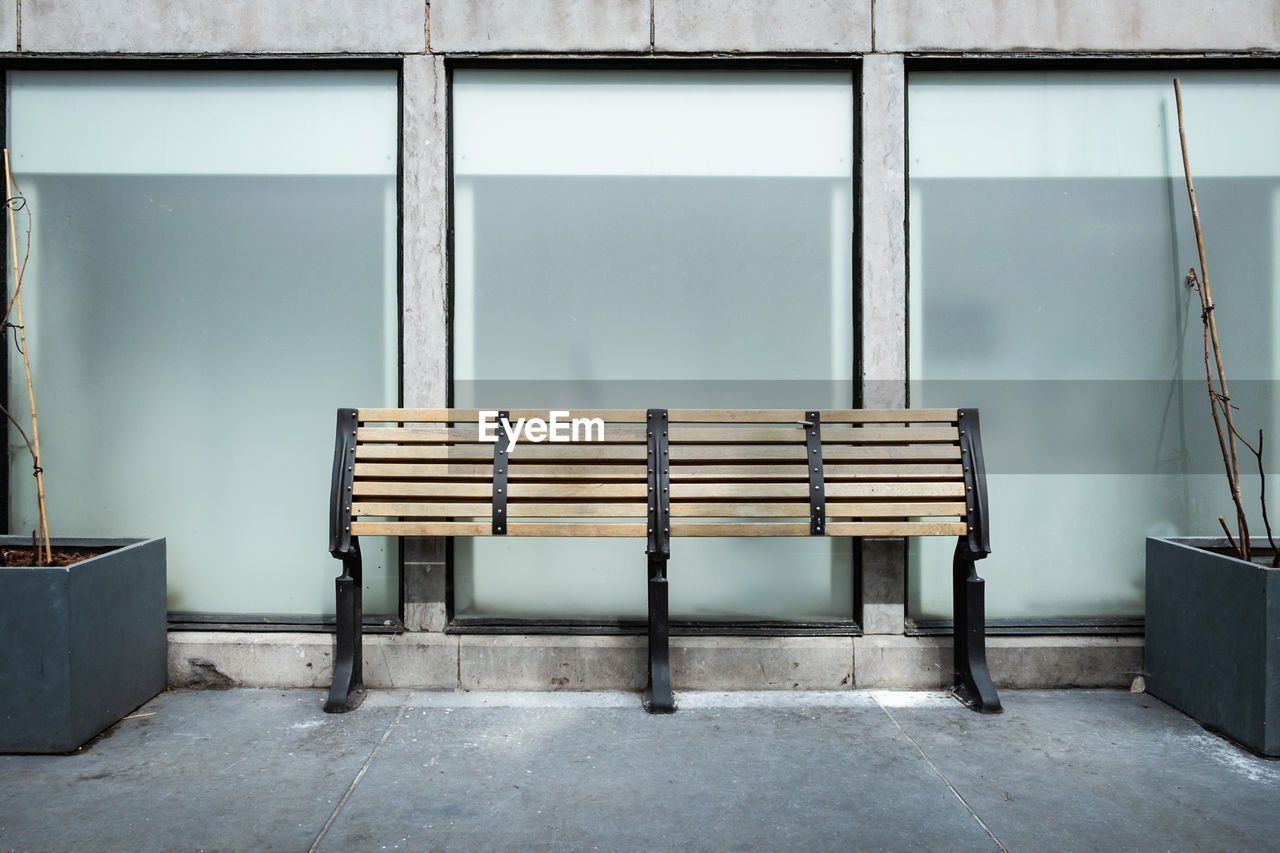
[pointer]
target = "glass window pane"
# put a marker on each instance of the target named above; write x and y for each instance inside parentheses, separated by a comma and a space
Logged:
(652, 239)
(213, 273)
(1050, 235)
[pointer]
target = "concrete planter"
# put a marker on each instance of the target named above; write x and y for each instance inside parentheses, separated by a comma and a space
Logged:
(1213, 638)
(82, 645)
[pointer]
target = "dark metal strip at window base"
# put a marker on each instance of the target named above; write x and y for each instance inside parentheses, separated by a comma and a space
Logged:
(500, 457)
(1032, 627)
(678, 627)
(817, 489)
(269, 623)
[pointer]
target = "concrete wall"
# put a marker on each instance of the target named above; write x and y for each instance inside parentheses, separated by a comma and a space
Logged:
(882, 32)
(839, 27)
(227, 26)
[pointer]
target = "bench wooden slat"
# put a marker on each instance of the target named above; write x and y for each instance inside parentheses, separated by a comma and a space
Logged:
(472, 416)
(795, 509)
(859, 416)
(418, 509)
(801, 490)
(796, 452)
(528, 469)
(470, 436)
(458, 489)
(796, 435)
(410, 471)
(469, 528)
(574, 452)
(581, 452)
(678, 435)
(633, 472)
(830, 473)
(589, 491)
(844, 416)
(842, 528)
(684, 529)
(800, 509)
(519, 470)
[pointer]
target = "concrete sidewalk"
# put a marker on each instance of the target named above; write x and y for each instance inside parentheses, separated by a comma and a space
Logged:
(259, 770)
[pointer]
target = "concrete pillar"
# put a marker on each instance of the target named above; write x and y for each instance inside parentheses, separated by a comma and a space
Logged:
(425, 311)
(884, 302)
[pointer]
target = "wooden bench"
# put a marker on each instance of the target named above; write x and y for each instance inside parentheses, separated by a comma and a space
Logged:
(659, 475)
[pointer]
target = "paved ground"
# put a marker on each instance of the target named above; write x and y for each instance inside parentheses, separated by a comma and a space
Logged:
(266, 770)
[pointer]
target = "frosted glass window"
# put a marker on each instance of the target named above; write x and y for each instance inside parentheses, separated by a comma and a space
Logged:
(652, 239)
(213, 273)
(1049, 239)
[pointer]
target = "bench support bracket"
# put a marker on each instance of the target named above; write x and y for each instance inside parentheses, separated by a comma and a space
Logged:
(658, 698)
(347, 690)
(813, 462)
(973, 685)
(500, 448)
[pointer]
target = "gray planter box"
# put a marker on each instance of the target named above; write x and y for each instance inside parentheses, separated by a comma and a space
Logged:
(82, 645)
(1213, 638)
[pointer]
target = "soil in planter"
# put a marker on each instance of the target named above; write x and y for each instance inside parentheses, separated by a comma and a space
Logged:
(61, 556)
(1261, 556)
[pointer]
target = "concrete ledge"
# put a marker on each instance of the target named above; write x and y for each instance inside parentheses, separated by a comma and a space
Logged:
(481, 26)
(215, 659)
(543, 662)
(924, 663)
(232, 26)
(1095, 25)
(762, 663)
(762, 26)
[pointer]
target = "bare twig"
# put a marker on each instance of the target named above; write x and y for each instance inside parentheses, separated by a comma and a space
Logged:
(1215, 399)
(36, 556)
(1219, 398)
(21, 432)
(12, 203)
(1262, 477)
(1223, 522)
(26, 363)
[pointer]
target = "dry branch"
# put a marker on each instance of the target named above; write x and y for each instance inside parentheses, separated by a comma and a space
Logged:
(26, 361)
(1219, 396)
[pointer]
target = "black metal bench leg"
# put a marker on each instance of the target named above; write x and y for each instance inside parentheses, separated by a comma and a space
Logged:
(658, 698)
(347, 691)
(973, 685)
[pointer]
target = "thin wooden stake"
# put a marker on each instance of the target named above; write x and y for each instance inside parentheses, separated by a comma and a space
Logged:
(1223, 398)
(26, 362)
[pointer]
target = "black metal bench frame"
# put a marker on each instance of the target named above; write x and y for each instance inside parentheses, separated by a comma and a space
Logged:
(972, 685)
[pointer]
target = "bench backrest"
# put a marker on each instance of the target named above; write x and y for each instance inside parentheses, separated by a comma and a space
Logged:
(427, 472)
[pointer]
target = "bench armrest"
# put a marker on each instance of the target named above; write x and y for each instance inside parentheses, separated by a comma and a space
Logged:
(344, 457)
(975, 482)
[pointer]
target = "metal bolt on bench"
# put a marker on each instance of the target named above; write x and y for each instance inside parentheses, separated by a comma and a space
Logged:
(665, 474)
